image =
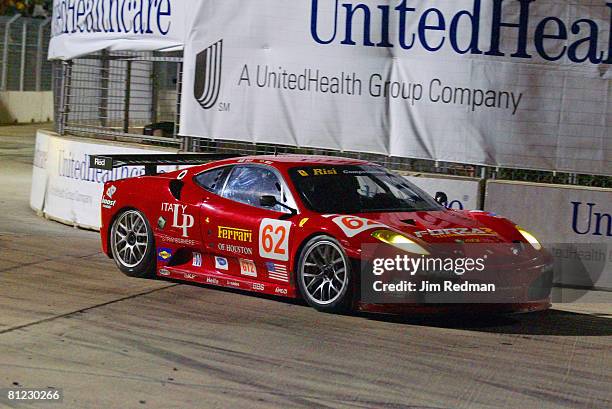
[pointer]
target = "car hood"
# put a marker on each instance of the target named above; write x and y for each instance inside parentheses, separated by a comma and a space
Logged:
(444, 226)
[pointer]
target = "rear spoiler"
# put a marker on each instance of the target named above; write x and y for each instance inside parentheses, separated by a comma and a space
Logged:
(152, 161)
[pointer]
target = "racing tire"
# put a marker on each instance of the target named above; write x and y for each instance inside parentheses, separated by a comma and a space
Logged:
(324, 275)
(133, 245)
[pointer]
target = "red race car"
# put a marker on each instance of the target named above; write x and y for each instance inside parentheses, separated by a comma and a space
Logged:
(298, 226)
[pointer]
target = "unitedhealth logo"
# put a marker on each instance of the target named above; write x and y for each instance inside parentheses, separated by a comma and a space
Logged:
(409, 25)
(208, 70)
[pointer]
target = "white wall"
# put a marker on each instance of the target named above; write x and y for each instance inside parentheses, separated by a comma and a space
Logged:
(575, 223)
(64, 188)
(26, 107)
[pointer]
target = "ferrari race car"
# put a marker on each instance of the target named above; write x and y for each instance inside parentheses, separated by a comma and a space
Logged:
(295, 226)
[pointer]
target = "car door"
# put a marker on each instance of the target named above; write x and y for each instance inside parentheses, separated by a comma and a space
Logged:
(252, 241)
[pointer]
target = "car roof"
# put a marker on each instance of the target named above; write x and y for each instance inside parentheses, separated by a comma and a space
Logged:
(301, 160)
(283, 162)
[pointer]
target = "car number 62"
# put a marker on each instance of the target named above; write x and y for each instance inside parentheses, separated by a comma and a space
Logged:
(274, 239)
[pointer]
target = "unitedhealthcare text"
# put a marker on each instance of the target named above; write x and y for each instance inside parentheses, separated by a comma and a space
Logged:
(410, 24)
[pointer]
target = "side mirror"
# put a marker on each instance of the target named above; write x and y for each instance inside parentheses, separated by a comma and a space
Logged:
(441, 198)
(268, 201)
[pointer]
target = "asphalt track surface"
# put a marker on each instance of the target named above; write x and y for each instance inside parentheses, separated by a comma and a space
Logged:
(70, 320)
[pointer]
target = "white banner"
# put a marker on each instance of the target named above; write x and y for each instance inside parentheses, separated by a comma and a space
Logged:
(574, 222)
(463, 193)
(65, 188)
(83, 27)
(518, 83)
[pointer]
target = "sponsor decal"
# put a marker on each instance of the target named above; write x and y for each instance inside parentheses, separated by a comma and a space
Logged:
(207, 84)
(274, 239)
(230, 248)
(221, 263)
(353, 225)
(164, 254)
(248, 268)
(179, 216)
(318, 172)
(277, 272)
(303, 221)
(111, 191)
(164, 272)
(108, 204)
(235, 234)
(197, 260)
(189, 276)
(161, 223)
(212, 280)
(280, 290)
(233, 283)
(178, 240)
(456, 232)
(259, 287)
(324, 172)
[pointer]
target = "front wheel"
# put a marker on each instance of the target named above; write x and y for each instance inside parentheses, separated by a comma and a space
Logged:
(324, 275)
(132, 244)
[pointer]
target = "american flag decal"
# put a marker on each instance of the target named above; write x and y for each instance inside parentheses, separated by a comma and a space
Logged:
(277, 272)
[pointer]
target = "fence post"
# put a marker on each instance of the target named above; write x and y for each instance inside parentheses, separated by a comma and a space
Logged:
(127, 97)
(39, 53)
(154, 92)
(24, 41)
(179, 86)
(5, 51)
(65, 96)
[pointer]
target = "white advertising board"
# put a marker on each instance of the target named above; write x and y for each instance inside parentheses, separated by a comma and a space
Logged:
(65, 188)
(83, 27)
(463, 193)
(504, 83)
(574, 223)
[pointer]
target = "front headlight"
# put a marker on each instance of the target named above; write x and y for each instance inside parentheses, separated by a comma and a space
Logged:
(400, 241)
(530, 238)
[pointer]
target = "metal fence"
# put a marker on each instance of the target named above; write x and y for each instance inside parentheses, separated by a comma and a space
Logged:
(24, 44)
(121, 96)
(136, 97)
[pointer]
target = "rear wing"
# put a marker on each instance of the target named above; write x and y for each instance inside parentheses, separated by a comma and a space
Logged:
(152, 161)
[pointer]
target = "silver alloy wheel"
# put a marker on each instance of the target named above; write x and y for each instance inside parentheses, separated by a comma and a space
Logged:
(130, 239)
(323, 272)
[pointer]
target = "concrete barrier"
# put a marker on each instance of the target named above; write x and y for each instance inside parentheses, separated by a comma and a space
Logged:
(26, 107)
(575, 223)
(65, 188)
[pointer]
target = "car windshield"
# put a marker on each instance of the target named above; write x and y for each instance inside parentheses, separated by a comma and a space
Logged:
(358, 189)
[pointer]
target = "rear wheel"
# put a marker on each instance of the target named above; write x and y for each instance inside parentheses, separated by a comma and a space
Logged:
(132, 244)
(324, 275)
